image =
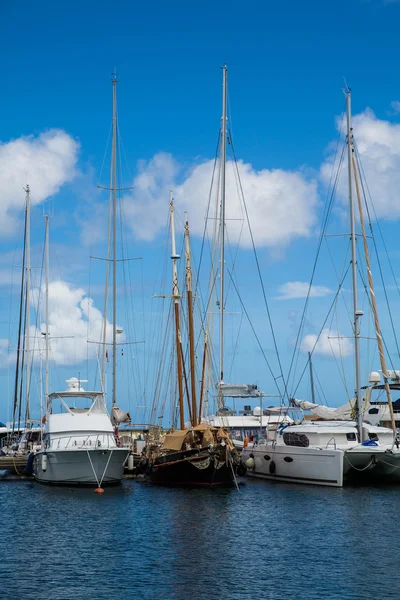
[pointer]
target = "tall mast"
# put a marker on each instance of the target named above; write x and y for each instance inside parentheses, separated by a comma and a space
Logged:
(114, 217)
(378, 333)
(222, 232)
(28, 305)
(191, 325)
(176, 297)
(356, 312)
(47, 315)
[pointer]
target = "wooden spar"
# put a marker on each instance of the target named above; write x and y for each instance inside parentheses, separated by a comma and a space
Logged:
(191, 325)
(203, 375)
(373, 301)
(186, 384)
(175, 293)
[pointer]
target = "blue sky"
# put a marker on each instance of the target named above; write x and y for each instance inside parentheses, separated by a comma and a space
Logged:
(286, 66)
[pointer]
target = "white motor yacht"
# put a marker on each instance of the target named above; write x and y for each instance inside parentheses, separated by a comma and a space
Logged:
(79, 443)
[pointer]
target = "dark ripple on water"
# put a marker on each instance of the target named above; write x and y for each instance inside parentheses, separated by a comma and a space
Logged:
(137, 541)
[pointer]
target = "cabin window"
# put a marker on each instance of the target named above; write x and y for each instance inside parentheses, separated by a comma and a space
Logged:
(351, 437)
(373, 436)
(296, 439)
(373, 411)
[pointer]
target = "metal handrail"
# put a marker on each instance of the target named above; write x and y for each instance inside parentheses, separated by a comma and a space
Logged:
(334, 442)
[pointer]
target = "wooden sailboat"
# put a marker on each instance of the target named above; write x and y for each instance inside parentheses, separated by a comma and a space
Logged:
(200, 455)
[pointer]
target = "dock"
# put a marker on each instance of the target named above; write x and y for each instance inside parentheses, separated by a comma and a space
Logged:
(16, 463)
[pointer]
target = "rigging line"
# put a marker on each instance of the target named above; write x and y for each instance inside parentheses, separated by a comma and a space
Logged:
(256, 336)
(376, 217)
(377, 254)
(327, 214)
(161, 272)
(234, 255)
(207, 212)
(340, 133)
(131, 321)
(341, 368)
(88, 326)
(320, 386)
(338, 276)
(236, 347)
(36, 340)
(319, 335)
(105, 152)
(21, 310)
(22, 365)
(11, 331)
(258, 269)
(370, 304)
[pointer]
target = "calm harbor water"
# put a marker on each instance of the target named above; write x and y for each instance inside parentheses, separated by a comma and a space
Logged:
(267, 541)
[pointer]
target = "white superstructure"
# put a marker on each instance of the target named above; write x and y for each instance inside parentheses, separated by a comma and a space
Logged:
(79, 444)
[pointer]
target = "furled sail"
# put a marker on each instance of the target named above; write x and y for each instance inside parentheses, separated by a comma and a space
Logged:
(344, 412)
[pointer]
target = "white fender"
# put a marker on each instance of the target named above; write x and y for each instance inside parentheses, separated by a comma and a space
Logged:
(44, 462)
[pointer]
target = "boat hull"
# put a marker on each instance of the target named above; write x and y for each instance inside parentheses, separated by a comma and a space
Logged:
(372, 465)
(295, 464)
(80, 467)
(178, 469)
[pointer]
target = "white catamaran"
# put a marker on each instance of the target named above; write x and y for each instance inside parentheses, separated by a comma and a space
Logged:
(334, 452)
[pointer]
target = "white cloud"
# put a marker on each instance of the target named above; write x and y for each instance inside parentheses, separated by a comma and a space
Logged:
(378, 143)
(281, 204)
(45, 162)
(299, 289)
(330, 343)
(73, 319)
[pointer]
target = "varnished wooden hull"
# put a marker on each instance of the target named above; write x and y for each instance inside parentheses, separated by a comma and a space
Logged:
(191, 468)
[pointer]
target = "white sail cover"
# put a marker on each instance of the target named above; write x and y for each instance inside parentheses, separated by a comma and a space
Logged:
(344, 412)
(119, 416)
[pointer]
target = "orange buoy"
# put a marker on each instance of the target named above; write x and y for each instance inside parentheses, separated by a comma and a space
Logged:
(99, 490)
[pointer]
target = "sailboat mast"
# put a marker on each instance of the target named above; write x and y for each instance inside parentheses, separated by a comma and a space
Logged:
(28, 305)
(222, 231)
(378, 332)
(191, 324)
(356, 312)
(47, 315)
(114, 259)
(176, 297)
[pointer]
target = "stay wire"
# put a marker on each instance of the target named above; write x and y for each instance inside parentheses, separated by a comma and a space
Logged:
(322, 328)
(207, 214)
(256, 336)
(321, 238)
(362, 179)
(258, 267)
